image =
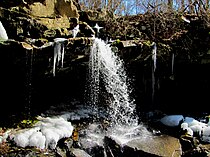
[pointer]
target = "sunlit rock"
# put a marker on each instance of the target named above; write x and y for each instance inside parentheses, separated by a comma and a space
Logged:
(150, 146)
(80, 153)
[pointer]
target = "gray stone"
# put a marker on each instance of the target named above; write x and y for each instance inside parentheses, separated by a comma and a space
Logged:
(157, 145)
(149, 146)
(80, 153)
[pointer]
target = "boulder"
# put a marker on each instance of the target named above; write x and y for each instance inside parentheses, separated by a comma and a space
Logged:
(154, 146)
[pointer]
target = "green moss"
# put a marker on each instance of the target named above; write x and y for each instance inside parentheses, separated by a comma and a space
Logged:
(147, 43)
(116, 42)
(27, 123)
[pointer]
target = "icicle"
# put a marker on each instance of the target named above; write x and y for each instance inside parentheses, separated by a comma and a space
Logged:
(58, 52)
(154, 54)
(172, 67)
(62, 54)
(172, 64)
(185, 19)
(75, 31)
(153, 85)
(3, 33)
(58, 45)
(154, 58)
(55, 58)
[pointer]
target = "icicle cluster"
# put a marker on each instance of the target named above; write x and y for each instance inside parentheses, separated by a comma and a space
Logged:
(58, 53)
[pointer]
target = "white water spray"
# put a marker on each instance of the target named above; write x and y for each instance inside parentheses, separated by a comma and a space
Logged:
(108, 67)
(93, 75)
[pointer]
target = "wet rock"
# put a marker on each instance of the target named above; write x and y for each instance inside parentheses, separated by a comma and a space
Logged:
(188, 142)
(64, 147)
(158, 145)
(60, 152)
(112, 148)
(200, 151)
(79, 153)
(151, 146)
(92, 148)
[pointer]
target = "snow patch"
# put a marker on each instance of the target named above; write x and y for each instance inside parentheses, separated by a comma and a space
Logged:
(45, 134)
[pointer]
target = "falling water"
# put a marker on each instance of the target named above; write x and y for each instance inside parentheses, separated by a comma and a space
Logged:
(108, 67)
(28, 86)
(93, 77)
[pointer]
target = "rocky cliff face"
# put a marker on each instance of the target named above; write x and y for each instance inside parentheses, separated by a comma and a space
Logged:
(59, 11)
(38, 19)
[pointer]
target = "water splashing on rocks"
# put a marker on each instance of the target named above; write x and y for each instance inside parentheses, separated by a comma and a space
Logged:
(120, 121)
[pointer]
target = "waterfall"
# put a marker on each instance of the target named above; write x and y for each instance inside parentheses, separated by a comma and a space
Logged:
(93, 77)
(107, 67)
(28, 83)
